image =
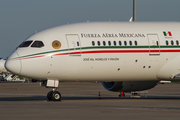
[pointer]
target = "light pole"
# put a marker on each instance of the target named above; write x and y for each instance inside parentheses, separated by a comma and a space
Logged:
(134, 10)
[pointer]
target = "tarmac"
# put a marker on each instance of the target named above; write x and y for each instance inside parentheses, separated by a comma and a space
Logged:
(80, 101)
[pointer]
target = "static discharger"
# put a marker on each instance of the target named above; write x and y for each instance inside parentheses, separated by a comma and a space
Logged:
(56, 44)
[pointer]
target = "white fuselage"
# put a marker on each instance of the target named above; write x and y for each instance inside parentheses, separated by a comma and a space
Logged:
(136, 51)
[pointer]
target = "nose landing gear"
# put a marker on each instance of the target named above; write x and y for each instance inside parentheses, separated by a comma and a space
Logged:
(53, 95)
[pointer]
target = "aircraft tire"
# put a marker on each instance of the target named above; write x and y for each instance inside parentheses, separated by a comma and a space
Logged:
(49, 96)
(56, 96)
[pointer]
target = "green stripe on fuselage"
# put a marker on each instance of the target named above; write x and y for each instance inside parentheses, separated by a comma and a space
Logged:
(98, 47)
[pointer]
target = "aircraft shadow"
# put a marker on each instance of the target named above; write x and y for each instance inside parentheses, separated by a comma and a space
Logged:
(29, 98)
(40, 98)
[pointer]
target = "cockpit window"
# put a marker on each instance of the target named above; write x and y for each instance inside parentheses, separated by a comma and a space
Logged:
(37, 44)
(25, 44)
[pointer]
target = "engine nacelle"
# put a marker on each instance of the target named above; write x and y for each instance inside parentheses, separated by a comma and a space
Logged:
(128, 86)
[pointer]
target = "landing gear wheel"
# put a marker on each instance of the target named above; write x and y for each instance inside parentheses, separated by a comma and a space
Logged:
(56, 96)
(49, 96)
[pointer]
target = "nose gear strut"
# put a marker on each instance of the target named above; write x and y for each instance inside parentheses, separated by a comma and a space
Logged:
(53, 95)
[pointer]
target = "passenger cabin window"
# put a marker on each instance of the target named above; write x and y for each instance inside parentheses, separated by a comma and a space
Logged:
(120, 43)
(77, 43)
(99, 43)
(93, 43)
(177, 42)
(125, 43)
(104, 43)
(172, 42)
(37, 44)
(109, 42)
(157, 43)
(130, 43)
(114, 43)
(25, 44)
(135, 42)
(167, 43)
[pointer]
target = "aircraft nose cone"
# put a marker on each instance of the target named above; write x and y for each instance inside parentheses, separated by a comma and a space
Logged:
(13, 64)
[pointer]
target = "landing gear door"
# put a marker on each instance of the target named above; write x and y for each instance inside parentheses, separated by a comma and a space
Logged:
(74, 44)
(154, 47)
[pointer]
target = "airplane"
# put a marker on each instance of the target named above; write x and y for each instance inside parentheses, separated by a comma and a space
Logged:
(124, 56)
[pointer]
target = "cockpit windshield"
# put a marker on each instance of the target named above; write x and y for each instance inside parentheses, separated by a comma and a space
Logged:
(25, 44)
(37, 44)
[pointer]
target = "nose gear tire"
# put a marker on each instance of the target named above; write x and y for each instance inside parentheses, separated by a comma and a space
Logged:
(54, 96)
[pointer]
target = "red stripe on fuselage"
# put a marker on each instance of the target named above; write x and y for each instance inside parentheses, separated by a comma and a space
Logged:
(106, 51)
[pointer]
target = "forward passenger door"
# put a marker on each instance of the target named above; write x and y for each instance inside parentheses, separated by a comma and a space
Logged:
(74, 44)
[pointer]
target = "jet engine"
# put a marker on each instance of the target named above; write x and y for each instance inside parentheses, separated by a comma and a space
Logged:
(128, 86)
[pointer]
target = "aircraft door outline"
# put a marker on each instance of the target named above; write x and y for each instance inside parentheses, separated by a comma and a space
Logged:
(154, 44)
(74, 44)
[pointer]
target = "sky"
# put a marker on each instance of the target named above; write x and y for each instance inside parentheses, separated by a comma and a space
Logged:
(21, 18)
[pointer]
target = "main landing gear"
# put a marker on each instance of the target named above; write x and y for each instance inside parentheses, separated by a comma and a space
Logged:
(53, 95)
